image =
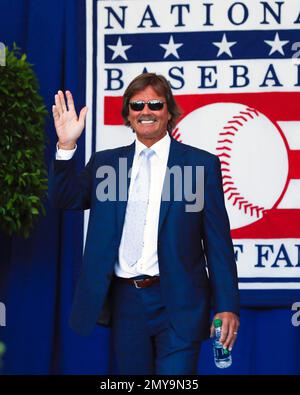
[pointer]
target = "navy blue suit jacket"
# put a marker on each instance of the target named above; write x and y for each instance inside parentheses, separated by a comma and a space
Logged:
(187, 243)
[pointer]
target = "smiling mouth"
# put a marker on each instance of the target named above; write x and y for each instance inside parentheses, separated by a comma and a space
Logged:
(147, 122)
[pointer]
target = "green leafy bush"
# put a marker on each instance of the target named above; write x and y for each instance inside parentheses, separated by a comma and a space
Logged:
(23, 175)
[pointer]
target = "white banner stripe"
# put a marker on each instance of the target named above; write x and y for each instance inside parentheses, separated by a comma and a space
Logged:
(195, 15)
(261, 286)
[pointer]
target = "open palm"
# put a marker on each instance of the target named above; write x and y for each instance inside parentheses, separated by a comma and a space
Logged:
(68, 126)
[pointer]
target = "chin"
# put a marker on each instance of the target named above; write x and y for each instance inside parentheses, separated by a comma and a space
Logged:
(153, 136)
(148, 134)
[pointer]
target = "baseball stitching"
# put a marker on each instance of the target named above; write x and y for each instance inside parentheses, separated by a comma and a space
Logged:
(224, 148)
(176, 135)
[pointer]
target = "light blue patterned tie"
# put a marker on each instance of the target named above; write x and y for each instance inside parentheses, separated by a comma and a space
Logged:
(136, 210)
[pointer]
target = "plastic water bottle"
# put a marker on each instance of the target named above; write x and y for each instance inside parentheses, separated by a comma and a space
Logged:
(222, 356)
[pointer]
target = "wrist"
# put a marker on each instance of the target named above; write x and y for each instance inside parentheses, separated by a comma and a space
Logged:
(66, 146)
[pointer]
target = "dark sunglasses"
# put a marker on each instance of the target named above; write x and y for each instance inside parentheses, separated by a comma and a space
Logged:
(153, 105)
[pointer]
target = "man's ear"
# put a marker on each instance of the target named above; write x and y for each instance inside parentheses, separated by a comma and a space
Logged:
(169, 116)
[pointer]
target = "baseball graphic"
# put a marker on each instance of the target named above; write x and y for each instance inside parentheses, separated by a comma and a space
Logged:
(253, 155)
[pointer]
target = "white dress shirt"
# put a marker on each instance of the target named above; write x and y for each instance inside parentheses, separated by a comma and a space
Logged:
(148, 263)
(64, 154)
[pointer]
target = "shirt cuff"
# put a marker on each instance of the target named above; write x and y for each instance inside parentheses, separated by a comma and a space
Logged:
(64, 154)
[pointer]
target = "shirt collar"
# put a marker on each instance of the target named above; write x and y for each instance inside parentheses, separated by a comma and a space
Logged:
(161, 147)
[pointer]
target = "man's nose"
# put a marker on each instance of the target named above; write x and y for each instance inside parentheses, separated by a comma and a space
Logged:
(146, 110)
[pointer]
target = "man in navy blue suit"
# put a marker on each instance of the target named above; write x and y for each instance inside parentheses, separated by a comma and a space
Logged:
(153, 267)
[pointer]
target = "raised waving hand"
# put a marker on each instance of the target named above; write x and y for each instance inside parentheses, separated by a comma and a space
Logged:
(67, 124)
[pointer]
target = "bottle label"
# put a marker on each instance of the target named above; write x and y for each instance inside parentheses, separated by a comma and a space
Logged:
(220, 353)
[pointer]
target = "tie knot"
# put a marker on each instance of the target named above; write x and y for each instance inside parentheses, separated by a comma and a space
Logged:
(147, 152)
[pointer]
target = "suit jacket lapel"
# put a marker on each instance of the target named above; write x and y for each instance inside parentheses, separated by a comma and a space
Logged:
(176, 158)
(127, 153)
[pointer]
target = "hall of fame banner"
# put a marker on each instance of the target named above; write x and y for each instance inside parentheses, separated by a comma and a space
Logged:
(234, 68)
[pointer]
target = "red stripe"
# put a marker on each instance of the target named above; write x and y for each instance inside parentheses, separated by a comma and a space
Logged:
(277, 223)
(294, 164)
(112, 110)
(279, 106)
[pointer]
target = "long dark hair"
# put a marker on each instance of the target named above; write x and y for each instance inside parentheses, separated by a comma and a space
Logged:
(161, 87)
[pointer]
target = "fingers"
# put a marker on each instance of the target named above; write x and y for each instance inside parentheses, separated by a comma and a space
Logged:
(231, 342)
(229, 335)
(55, 113)
(70, 101)
(82, 114)
(230, 325)
(58, 105)
(62, 100)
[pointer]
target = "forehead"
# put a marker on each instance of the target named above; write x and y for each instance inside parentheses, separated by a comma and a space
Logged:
(147, 93)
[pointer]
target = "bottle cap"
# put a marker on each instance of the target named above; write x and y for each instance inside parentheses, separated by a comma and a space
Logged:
(217, 323)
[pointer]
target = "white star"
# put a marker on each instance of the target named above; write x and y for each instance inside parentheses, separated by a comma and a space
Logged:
(224, 46)
(119, 49)
(171, 48)
(276, 45)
